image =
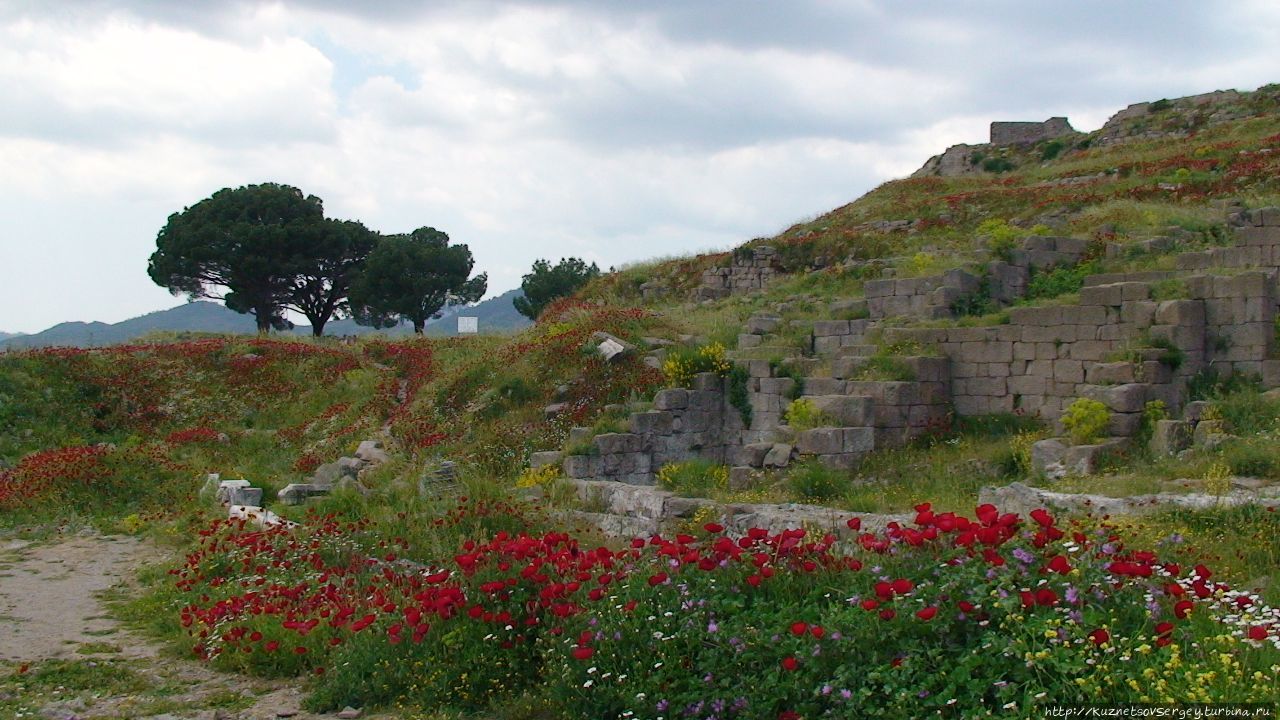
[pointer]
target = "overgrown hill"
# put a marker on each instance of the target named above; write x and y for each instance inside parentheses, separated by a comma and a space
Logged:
(463, 574)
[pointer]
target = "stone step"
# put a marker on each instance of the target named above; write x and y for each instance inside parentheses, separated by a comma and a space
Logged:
(1113, 278)
(763, 352)
(857, 351)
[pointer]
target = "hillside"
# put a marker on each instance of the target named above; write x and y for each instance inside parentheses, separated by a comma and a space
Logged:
(495, 315)
(987, 439)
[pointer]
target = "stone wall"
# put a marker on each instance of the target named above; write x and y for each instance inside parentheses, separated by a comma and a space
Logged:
(1020, 133)
(683, 424)
(747, 272)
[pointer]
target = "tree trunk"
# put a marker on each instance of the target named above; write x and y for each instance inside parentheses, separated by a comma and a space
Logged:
(417, 326)
(317, 325)
(263, 318)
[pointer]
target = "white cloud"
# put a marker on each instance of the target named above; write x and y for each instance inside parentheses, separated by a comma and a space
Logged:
(611, 131)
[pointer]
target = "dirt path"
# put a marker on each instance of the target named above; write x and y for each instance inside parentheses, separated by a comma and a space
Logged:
(63, 656)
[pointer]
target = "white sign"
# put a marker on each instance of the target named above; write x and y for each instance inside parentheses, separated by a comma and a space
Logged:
(468, 325)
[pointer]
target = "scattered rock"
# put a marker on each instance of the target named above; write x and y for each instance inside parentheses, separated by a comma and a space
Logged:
(779, 456)
(371, 451)
(349, 713)
(611, 347)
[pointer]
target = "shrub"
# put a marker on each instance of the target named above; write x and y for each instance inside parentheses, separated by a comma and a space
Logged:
(886, 367)
(738, 396)
(997, 165)
(684, 363)
(1051, 150)
(1061, 280)
(803, 415)
(813, 481)
(1086, 420)
(697, 477)
(976, 303)
(1207, 384)
(1245, 412)
(535, 477)
(1250, 460)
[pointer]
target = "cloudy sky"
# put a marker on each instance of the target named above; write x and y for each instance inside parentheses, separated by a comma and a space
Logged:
(610, 130)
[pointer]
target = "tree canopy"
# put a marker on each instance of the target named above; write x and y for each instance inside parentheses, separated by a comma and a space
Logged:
(239, 246)
(413, 276)
(546, 283)
(322, 276)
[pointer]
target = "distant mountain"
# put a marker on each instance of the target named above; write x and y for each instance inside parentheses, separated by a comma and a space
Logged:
(6, 336)
(494, 315)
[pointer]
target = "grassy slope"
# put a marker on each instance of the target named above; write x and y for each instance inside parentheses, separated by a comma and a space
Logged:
(284, 407)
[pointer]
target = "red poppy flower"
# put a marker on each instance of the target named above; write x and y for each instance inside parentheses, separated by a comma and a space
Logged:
(790, 663)
(1100, 636)
(799, 628)
(1182, 609)
(583, 653)
(713, 528)
(657, 579)
(817, 631)
(1059, 564)
(887, 614)
(870, 604)
(927, 614)
(1257, 632)
(1042, 517)
(854, 523)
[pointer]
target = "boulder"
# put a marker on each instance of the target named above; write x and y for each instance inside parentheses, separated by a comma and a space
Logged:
(371, 451)
(779, 456)
(297, 493)
(245, 496)
(225, 487)
(1169, 437)
(610, 347)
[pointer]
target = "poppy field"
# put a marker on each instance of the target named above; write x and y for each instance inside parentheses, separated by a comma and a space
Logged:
(992, 615)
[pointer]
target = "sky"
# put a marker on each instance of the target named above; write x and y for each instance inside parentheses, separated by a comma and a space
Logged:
(612, 130)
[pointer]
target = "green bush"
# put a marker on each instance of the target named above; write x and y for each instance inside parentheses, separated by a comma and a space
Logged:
(1208, 384)
(803, 415)
(1245, 412)
(1061, 280)
(1086, 420)
(683, 363)
(1051, 150)
(738, 397)
(1251, 460)
(697, 477)
(813, 481)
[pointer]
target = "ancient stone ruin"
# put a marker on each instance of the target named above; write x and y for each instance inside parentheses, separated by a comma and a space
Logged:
(1029, 133)
(1129, 339)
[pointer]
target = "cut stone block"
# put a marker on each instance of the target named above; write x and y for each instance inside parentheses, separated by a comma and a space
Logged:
(1170, 437)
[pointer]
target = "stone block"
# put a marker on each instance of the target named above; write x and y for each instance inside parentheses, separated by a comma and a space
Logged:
(1069, 371)
(580, 466)
(742, 478)
(756, 453)
(823, 386)
(371, 451)
(297, 493)
(250, 496)
(542, 459)
(1089, 350)
(1112, 373)
(613, 443)
(1026, 385)
(779, 456)
(777, 386)
(708, 382)
(858, 440)
(746, 342)
(1102, 294)
(878, 288)
(820, 441)
(1180, 312)
(657, 422)
(1127, 398)
(1124, 424)
(671, 399)
(828, 328)
(1169, 437)
(763, 324)
(847, 410)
